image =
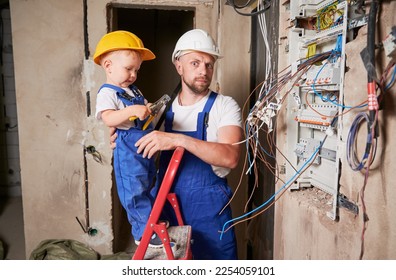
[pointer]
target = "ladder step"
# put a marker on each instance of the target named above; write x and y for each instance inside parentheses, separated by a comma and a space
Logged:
(181, 235)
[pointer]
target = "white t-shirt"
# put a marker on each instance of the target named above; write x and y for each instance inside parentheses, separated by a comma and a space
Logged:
(107, 100)
(225, 111)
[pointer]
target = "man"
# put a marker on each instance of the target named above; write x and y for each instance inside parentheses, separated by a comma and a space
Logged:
(206, 125)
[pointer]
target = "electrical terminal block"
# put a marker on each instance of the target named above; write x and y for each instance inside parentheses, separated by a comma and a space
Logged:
(328, 74)
(304, 8)
(390, 43)
(310, 118)
(264, 114)
(252, 117)
(322, 36)
(305, 148)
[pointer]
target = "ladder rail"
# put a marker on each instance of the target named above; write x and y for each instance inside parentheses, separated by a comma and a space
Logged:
(159, 204)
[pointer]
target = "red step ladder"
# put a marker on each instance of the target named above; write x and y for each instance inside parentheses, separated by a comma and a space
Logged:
(179, 235)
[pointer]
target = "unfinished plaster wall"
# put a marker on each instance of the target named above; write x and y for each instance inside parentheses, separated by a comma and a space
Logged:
(53, 126)
(302, 229)
(56, 84)
(234, 71)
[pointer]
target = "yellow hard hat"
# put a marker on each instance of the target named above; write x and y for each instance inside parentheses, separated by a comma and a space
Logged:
(121, 40)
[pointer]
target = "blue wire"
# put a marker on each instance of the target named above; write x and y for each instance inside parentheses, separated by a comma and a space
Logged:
(335, 53)
(338, 21)
(338, 48)
(247, 147)
(333, 56)
(392, 80)
(284, 186)
(351, 156)
(327, 99)
(264, 150)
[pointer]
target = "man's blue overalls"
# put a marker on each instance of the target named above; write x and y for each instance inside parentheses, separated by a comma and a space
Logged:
(202, 195)
(134, 174)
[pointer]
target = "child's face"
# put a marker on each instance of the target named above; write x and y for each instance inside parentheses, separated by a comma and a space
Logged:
(122, 67)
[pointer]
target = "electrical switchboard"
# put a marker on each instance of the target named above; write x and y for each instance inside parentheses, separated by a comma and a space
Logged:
(315, 103)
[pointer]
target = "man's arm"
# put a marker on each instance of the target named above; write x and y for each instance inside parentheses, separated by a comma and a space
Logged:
(221, 154)
(113, 136)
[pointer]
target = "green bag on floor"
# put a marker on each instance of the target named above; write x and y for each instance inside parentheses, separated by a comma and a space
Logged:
(117, 256)
(63, 249)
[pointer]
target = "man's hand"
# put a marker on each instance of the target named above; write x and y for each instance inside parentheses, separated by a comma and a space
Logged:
(113, 137)
(156, 141)
(223, 153)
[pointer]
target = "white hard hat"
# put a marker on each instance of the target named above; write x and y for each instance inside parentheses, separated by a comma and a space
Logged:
(195, 40)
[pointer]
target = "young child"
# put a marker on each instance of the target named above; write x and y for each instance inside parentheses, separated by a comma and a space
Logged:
(121, 53)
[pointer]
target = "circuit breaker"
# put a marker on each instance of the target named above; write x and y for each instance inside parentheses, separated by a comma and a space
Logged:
(315, 102)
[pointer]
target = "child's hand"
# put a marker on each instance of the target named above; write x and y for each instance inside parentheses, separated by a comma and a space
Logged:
(140, 111)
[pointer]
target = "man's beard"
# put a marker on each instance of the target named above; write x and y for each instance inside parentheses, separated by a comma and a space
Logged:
(202, 88)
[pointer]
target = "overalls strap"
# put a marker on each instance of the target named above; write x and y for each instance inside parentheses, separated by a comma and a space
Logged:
(128, 100)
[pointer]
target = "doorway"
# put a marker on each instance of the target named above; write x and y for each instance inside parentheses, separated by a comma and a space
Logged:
(159, 28)
(12, 239)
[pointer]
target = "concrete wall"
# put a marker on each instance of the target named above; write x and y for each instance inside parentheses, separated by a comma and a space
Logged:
(54, 128)
(302, 229)
(55, 87)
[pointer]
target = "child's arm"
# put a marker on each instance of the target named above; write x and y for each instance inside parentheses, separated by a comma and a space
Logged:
(118, 117)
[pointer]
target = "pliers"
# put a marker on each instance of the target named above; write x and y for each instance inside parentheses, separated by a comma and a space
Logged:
(155, 109)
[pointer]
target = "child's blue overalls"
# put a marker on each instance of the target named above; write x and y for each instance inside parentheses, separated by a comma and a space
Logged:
(202, 195)
(134, 174)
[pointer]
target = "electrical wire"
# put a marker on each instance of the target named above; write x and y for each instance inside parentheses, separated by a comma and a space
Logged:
(362, 191)
(373, 107)
(392, 81)
(326, 17)
(353, 160)
(284, 187)
(338, 114)
(254, 124)
(335, 54)
(261, 118)
(262, 6)
(384, 77)
(270, 95)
